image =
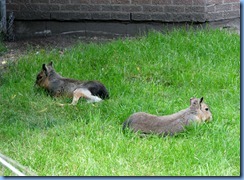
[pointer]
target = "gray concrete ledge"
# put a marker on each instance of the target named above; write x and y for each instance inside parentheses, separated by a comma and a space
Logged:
(29, 29)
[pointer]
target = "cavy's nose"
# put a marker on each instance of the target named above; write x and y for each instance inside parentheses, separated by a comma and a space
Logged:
(209, 119)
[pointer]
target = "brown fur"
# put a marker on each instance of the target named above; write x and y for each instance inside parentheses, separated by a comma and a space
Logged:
(169, 124)
(56, 86)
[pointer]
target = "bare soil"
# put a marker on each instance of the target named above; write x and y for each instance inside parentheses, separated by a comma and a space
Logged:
(15, 49)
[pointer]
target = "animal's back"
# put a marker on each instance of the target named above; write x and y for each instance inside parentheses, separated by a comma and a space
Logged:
(67, 86)
(148, 123)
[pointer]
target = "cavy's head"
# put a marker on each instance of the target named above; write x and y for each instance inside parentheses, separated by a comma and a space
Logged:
(42, 78)
(202, 110)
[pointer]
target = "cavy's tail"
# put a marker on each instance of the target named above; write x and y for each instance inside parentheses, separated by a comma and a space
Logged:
(126, 124)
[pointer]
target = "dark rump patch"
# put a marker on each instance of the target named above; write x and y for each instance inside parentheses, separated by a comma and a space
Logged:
(97, 89)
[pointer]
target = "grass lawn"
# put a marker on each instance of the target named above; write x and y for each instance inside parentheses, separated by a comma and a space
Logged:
(155, 73)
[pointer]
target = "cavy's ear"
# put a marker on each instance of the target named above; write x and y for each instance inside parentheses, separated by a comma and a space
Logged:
(201, 100)
(50, 64)
(193, 101)
(44, 67)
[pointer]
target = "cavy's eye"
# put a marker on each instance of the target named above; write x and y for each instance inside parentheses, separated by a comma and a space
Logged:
(206, 109)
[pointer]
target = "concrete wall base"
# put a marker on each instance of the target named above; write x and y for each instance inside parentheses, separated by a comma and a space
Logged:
(28, 29)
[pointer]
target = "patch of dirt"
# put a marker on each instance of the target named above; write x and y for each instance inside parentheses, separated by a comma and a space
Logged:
(18, 48)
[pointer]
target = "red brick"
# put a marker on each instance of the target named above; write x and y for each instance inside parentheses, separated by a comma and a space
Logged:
(12, 7)
(20, 1)
(59, 1)
(195, 9)
(231, 1)
(141, 1)
(69, 16)
(70, 7)
(29, 7)
(49, 7)
(223, 7)
(120, 1)
(101, 16)
(199, 2)
(39, 1)
(131, 8)
(162, 17)
(211, 9)
(141, 17)
(182, 2)
(231, 14)
(236, 7)
(214, 16)
(100, 1)
(90, 8)
(120, 16)
(111, 7)
(79, 1)
(214, 2)
(161, 2)
(174, 9)
(152, 9)
(34, 15)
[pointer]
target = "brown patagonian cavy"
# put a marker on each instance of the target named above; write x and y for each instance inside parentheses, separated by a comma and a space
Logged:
(56, 85)
(169, 124)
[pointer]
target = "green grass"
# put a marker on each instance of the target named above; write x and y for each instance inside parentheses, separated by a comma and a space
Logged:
(155, 73)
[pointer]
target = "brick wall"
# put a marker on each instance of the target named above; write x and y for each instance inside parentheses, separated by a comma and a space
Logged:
(222, 9)
(125, 10)
(118, 17)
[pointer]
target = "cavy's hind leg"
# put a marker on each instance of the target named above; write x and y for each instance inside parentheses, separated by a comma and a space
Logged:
(85, 93)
